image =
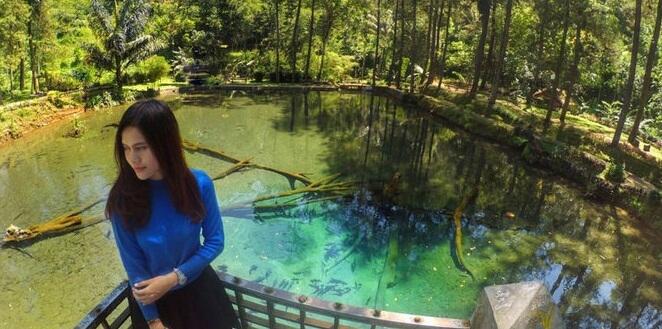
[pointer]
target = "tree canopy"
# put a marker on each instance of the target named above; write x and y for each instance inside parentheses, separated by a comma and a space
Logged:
(602, 53)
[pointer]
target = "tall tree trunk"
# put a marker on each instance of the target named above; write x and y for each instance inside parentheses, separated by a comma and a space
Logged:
(539, 53)
(435, 57)
(327, 32)
(32, 50)
(434, 60)
(398, 67)
(428, 39)
(21, 74)
(442, 65)
(294, 46)
(412, 57)
(310, 39)
(574, 71)
(551, 105)
(651, 61)
(489, 61)
(10, 72)
(498, 69)
(627, 95)
(379, 24)
(118, 74)
(484, 10)
(278, 42)
(391, 68)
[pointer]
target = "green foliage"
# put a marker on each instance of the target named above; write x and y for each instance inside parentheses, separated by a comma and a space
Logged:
(609, 110)
(56, 99)
(337, 67)
(460, 57)
(152, 69)
(181, 59)
(14, 16)
(615, 172)
(77, 129)
(121, 32)
(104, 99)
(57, 80)
(14, 130)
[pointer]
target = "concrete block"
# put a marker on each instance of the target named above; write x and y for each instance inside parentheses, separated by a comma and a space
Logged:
(523, 305)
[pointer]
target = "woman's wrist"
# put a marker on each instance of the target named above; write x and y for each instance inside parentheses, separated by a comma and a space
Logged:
(172, 279)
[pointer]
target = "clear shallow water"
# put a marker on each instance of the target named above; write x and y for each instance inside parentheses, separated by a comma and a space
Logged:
(389, 245)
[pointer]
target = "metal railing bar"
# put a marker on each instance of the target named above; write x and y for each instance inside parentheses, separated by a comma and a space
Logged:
(285, 315)
(270, 313)
(265, 322)
(119, 321)
(100, 312)
(357, 314)
(241, 289)
(239, 301)
(302, 319)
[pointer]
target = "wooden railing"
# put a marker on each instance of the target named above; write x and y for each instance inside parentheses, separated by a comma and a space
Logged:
(260, 306)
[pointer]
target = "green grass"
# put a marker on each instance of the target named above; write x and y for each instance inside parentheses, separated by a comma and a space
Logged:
(580, 130)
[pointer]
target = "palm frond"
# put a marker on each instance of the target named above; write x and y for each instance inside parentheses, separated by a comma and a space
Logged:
(133, 18)
(101, 18)
(99, 58)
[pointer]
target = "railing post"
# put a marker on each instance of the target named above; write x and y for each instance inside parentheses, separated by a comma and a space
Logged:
(240, 307)
(302, 319)
(270, 311)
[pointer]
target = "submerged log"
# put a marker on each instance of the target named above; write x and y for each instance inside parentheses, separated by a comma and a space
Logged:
(457, 232)
(192, 147)
(59, 224)
(325, 188)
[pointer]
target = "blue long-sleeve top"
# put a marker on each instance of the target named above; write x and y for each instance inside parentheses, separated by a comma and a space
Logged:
(170, 239)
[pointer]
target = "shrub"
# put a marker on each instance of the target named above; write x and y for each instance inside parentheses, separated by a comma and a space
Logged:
(59, 100)
(14, 130)
(98, 101)
(152, 69)
(58, 81)
(615, 172)
(78, 128)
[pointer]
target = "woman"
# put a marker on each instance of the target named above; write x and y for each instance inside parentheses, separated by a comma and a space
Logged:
(158, 207)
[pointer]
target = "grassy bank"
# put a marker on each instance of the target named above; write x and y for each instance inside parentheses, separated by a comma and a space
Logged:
(579, 151)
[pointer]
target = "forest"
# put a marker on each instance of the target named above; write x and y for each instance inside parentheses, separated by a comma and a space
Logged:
(519, 110)
(595, 58)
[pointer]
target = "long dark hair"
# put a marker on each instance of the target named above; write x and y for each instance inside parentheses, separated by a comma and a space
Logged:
(130, 197)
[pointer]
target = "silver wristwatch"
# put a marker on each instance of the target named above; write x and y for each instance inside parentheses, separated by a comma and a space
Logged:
(181, 278)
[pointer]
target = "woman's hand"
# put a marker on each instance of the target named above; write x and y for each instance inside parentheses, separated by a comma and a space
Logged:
(149, 291)
(156, 324)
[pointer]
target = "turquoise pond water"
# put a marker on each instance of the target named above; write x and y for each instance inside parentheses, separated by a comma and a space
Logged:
(387, 244)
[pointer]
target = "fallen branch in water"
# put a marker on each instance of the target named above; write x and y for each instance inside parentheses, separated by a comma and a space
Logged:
(457, 233)
(192, 147)
(62, 223)
(236, 168)
(322, 190)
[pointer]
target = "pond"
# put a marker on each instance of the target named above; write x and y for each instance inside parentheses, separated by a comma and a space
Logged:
(388, 242)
